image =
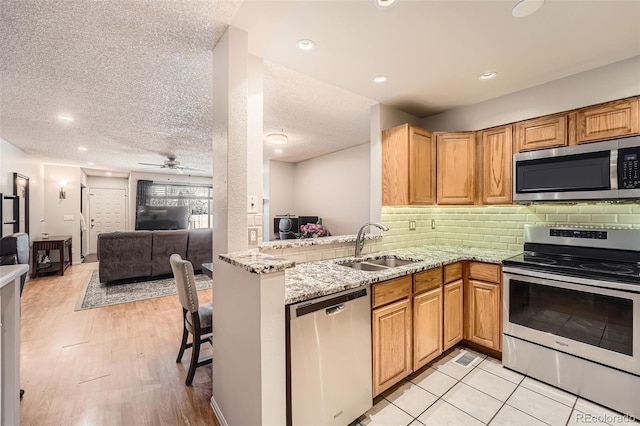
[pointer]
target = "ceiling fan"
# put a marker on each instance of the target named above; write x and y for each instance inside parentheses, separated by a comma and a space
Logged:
(171, 163)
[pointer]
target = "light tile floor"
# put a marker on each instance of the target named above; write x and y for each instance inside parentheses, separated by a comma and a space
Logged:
(484, 393)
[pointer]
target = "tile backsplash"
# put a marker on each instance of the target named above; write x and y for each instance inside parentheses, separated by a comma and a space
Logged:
(498, 227)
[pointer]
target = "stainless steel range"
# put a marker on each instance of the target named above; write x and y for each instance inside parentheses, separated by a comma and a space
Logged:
(572, 312)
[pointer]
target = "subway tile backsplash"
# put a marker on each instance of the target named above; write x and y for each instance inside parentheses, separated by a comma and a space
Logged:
(498, 227)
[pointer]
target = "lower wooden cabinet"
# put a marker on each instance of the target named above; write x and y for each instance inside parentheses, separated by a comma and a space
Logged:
(485, 325)
(453, 314)
(392, 344)
(427, 327)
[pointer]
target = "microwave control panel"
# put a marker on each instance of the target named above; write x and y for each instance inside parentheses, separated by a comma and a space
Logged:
(628, 177)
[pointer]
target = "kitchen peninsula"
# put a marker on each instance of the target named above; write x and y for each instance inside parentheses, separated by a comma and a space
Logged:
(251, 290)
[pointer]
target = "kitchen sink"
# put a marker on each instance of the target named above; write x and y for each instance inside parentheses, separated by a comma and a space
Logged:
(380, 264)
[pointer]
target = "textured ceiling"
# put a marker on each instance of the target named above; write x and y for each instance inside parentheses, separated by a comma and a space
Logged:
(137, 75)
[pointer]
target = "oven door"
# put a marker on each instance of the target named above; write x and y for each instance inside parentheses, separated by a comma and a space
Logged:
(568, 315)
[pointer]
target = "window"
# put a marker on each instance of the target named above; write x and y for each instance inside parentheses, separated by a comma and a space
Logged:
(197, 198)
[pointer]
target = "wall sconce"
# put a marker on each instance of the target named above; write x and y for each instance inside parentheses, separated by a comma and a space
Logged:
(63, 194)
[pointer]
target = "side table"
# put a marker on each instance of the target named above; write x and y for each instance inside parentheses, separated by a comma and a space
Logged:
(60, 243)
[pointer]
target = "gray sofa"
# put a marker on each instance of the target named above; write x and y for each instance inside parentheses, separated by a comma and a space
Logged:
(145, 254)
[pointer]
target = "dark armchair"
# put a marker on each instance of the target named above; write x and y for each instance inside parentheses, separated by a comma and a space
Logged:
(14, 249)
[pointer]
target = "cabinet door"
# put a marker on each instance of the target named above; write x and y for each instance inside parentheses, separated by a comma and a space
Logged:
(395, 163)
(427, 327)
(484, 314)
(392, 348)
(453, 314)
(456, 168)
(496, 145)
(613, 119)
(543, 132)
(422, 166)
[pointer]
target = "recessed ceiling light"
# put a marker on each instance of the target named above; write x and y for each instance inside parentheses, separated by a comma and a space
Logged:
(82, 148)
(488, 75)
(380, 79)
(108, 173)
(91, 164)
(384, 4)
(65, 118)
(278, 150)
(526, 7)
(305, 44)
(277, 138)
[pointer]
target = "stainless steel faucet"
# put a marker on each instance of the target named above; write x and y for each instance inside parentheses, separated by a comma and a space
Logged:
(360, 237)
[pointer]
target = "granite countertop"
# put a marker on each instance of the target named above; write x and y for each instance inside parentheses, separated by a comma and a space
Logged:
(305, 242)
(314, 279)
(256, 262)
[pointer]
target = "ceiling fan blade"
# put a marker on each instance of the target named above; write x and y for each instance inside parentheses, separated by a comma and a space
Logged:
(190, 168)
(151, 164)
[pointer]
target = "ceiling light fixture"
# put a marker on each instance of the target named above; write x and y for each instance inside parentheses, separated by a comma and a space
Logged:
(91, 163)
(277, 138)
(82, 148)
(380, 79)
(305, 44)
(108, 173)
(65, 118)
(488, 75)
(384, 4)
(526, 7)
(278, 151)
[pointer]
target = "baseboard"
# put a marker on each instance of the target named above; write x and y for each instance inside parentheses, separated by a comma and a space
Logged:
(218, 412)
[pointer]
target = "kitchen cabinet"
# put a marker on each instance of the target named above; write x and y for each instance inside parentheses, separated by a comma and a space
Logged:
(408, 166)
(609, 120)
(496, 147)
(391, 325)
(453, 314)
(483, 307)
(427, 317)
(456, 161)
(543, 132)
(453, 305)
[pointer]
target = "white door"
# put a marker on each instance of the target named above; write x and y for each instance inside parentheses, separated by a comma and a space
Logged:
(107, 213)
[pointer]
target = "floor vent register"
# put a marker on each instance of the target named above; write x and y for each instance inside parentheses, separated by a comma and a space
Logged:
(465, 359)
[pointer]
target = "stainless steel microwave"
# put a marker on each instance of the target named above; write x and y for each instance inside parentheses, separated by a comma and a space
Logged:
(595, 171)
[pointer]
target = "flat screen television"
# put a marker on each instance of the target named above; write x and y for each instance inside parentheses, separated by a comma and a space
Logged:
(162, 217)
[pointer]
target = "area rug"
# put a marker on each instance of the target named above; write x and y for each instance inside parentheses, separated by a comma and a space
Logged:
(96, 294)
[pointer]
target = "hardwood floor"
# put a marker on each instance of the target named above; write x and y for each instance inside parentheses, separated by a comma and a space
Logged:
(106, 366)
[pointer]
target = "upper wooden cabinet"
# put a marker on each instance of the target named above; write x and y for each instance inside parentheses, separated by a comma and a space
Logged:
(456, 168)
(496, 146)
(544, 132)
(613, 119)
(408, 166)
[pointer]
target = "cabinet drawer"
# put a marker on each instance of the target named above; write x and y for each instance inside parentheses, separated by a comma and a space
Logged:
(389, 291)
(452, 272)
(484, 271)
(427, 280)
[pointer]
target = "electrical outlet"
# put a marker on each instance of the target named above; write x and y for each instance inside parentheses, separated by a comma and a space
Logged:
(433, 224)
(253, 236)
(412, 225)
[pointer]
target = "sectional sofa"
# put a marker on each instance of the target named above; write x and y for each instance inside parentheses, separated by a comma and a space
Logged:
(145, 254)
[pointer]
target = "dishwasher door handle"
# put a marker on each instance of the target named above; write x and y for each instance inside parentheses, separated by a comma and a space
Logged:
(334, 310)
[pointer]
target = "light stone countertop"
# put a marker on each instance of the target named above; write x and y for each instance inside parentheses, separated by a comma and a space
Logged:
(314, 279)
(306, 242)
(257, 263)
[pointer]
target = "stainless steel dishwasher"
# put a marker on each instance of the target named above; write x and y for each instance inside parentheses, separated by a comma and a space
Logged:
(329, 359)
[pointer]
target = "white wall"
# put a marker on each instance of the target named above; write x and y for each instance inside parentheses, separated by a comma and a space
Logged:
(607, 83)
(56, 208)
(158, 177)
(13, 160)
(105, 182)
(336, 188)
(281, 186)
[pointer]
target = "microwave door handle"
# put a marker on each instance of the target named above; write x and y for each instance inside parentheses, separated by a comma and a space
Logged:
(613, 169)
